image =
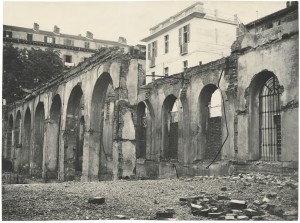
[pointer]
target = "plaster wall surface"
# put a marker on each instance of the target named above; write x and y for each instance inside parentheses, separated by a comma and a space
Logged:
(209, 41)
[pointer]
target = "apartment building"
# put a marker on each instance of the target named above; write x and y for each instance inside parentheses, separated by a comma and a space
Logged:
(74, 49)
(193, 36)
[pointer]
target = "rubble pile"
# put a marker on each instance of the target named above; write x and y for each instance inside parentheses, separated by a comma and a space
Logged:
(227, 205)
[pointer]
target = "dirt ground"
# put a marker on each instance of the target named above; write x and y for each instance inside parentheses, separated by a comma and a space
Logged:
(142, 199)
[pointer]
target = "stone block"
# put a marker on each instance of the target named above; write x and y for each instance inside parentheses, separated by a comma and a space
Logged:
(96, 200)
(237, 204)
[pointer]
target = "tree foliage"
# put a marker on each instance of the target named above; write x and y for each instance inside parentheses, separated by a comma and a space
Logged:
(26, 69)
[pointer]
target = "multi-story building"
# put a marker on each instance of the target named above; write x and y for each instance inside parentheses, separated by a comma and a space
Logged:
(191, 37)
(73, 49)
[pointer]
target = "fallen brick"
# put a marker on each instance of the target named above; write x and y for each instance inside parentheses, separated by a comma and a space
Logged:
(257, 218)
(237, 204)
(243, 217)
(203, 212)
(223, 188)
(196, 207)
(271, 195)
(214, 214)
(266, 200)
(250, 212)
(119, 216)
(223, 197)
(229, 217)
(164, 214)
(96, 200)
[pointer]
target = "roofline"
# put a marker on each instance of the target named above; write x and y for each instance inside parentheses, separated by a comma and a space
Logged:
(270, 16)
(183, 20)
(64, 35)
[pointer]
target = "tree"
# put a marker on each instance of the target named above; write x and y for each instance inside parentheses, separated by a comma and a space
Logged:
(26, 69)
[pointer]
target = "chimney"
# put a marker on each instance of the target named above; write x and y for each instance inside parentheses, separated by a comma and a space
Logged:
(36, 26)
(89, 35)
(122, 40)
(56, 29)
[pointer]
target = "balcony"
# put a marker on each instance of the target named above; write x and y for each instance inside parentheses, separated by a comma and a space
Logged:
(184, 48)
(152, 62)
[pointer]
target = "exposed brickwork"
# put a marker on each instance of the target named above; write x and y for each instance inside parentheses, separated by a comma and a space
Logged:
(214, 138)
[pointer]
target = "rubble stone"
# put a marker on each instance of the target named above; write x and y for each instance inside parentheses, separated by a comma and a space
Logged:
(120, 216)
(96, 200)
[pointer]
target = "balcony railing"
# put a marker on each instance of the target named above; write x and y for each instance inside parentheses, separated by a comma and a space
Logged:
(184, 48)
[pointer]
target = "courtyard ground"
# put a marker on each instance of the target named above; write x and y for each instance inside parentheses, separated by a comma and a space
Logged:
(266, 197)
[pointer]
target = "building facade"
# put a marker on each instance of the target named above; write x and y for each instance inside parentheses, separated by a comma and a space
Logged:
(99, 121)
(191, 37)
(73, 49)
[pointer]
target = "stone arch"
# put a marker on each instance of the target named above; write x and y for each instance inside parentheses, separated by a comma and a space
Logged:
(39, 128)
(72, 144)
(27, 140)
(256, 102)
(170, 128)
(53, 136)
(210, 122)
(18, 130)
(102, 128)
(10, 137)
(144, 130)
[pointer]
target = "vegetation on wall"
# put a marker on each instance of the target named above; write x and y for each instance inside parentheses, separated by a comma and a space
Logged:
(25, 69)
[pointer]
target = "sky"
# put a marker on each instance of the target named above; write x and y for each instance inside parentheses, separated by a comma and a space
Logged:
(110, 19)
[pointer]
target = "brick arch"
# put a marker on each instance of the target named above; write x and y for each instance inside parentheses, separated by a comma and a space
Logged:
(101, 127)
(39, 127)
(27, 140)
(10, 136)
(253, 106)
(169, 148)
(210, 128)
(72, 148)
(53, 134)
(145, 117)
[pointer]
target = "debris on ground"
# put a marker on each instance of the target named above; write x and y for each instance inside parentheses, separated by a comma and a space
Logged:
(263, 197)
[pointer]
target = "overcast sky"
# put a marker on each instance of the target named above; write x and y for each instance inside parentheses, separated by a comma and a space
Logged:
(109, 20)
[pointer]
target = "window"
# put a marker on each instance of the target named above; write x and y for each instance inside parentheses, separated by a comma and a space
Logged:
(7, 34)
(48, 39)
(87, 45)
(152, 53)
(184, 38)
(153, 76)
(152, 50)
(68, 58)
(29, 37)
(68, 42)
(166, 43)
(185, 65)
(166, 71)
